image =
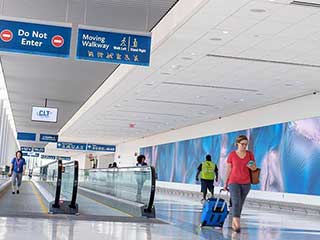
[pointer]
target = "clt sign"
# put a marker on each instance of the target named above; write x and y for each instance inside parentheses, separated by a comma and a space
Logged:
(34, 38)
(44, 114)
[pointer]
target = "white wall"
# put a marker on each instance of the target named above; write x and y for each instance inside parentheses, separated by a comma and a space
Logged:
(8, 143)
(300, 108)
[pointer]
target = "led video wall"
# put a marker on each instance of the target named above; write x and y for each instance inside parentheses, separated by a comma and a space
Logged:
(287, 153)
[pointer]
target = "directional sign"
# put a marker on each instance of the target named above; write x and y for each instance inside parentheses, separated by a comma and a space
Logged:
(51, 157)
(72, 146)
(35, 38)
(63, 158)
(38, 149)
(26, 136)
(34, 155)
(101, 148)
(111, 46)
(48, 138)
(26, 149)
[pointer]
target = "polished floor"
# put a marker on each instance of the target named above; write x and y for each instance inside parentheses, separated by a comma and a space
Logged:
(182, 216)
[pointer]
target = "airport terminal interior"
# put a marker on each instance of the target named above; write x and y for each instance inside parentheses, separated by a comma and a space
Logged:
(159, 119)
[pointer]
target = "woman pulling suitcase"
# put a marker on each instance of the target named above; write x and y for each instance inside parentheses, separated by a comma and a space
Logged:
(238, 178)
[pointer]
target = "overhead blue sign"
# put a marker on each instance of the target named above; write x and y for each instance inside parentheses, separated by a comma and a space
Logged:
(72, 146)
(24, 136)
(26, 149)
(114, 47)
(38, 149)
(51, 157)
(32, 38)
(101, 148)
(48, 138)
(34, 155)
(63, 158)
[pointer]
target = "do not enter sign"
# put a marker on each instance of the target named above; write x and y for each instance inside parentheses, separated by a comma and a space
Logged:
(6, 35)
(57, 41)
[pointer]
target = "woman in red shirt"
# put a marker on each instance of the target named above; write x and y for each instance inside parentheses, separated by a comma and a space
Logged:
(238, 178)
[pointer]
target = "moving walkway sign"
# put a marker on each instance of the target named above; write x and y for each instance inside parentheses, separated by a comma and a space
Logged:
(101, 148)
(72, 146)
(105, 45)
(34, 38)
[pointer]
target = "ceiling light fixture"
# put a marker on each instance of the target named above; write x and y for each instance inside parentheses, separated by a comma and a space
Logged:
(215, 39)
(165, 73)
(258, 10)
(187, 58)
(225, 32)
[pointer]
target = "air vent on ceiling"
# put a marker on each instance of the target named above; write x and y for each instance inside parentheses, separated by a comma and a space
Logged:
(307, 4)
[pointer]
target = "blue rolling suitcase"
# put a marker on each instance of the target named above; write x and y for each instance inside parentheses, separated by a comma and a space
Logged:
(214, 212)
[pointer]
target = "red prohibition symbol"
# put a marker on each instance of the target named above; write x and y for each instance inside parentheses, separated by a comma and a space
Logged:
(57, 41)
(6, 35)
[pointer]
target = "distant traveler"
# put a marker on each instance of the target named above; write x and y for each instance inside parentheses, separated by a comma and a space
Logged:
(238, 178)
(209, 173)
(17, 169)
(140, 176)
(141, 161)
(114, 165)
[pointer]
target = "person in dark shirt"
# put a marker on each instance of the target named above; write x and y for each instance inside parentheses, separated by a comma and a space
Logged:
(141, 161)
(209, 173)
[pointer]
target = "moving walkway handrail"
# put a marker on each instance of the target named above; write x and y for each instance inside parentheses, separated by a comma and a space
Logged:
(149, 204)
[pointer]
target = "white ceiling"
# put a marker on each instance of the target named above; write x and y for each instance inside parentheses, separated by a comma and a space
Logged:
(228, 57)
(66, 83)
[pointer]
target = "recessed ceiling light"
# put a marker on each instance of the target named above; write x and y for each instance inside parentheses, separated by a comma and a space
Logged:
(165, 73)
(186, 58)
(215, 39)
(258, 10)
(241, 100)
(225, 32)
(193, 54)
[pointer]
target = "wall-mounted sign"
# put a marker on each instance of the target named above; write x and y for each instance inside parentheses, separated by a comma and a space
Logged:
(44, 114)
(26, 149)
(34, 155)
(48, 138)
(24, 136)
(35, 38)
(38, 149)
(72, 146)
(111, 46)
(101, 148)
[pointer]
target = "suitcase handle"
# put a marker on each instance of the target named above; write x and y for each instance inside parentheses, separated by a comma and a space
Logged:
(218, 199)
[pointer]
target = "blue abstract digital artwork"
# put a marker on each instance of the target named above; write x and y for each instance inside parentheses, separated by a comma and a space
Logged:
(287, 153)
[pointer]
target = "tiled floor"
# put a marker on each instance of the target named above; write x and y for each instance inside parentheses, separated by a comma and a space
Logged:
(184, 218)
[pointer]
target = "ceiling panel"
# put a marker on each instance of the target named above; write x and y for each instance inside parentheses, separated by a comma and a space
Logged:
(67, 83)
(229, 57)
